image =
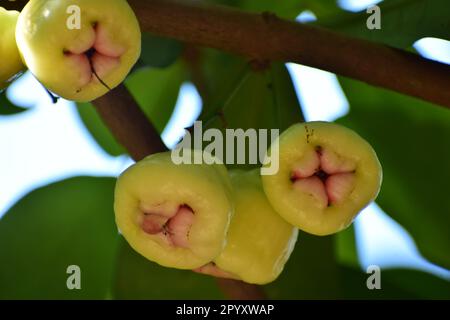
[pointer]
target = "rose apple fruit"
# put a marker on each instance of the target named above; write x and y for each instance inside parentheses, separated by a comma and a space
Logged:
(327, 175)
(259, 241)
(175, 215)
(11, 62)
(79, 49)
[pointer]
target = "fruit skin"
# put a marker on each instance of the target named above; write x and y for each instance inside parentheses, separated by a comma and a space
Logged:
(157, 180)
(346, 151)
(11, 63)
(259, 241)
(59, 57)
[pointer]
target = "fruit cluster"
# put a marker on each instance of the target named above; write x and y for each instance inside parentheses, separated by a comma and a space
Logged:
(240, 225)
(78, 49)
(243, 225)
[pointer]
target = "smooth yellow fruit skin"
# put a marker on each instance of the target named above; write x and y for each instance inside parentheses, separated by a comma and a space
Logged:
(205, 188)
(10, 61)
(301, 209)
(42, 36)
(259, 241)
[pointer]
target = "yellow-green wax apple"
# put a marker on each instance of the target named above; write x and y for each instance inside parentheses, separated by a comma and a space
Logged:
(176, 215)
(79, 49)
(327, 175)
(10, 61)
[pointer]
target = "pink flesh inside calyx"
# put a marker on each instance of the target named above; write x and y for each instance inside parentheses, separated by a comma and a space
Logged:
(325, 175)
(95, 57)
(172, 225)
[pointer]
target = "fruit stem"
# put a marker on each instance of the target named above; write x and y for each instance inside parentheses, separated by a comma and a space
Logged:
(89, 55)
(52, 96)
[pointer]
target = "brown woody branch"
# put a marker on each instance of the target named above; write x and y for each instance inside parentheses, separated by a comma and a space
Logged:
(265, 37)
(128, 123)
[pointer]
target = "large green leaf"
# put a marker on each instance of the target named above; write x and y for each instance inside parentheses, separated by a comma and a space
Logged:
(411, 138)
(311, 272)
(288, 9)
(221, 73)
(99, 131)
(63, 224)
(395, 284)
(139, 278)
(346, 252)
(7, 108)
(159, 52)
(402, 22)
(268, 98)
(323, 9)
(266, 93)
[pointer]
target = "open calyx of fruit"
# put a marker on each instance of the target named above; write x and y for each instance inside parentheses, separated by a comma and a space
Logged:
(243, 225)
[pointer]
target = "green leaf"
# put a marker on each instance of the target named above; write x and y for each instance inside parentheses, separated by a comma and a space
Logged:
(311, 272)
(260, 100)
(232, 3)
(290, 9)
(139, 278)
(323, 9)
(268, 99)
(286, 8)
(395, 284)
(7, 108)
(346, 252)
(402, 22)
(411, 139)
(99, 131)
(156, 91)
(159, 52)
(221, 74)
(66, 223)
(421, 284)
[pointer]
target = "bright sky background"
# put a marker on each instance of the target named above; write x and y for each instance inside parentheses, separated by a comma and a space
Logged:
(49, 143)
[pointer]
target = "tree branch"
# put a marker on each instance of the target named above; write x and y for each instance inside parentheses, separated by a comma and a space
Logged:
(266, 37)
(128, 123)
(193, 59)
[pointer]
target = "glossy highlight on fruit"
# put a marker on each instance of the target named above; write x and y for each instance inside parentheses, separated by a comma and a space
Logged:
(10, 61)
(79, 62)
(327, 175)
(175, 215)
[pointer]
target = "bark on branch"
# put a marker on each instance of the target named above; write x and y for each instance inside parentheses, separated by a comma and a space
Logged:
(265, 37)
(128, 123)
